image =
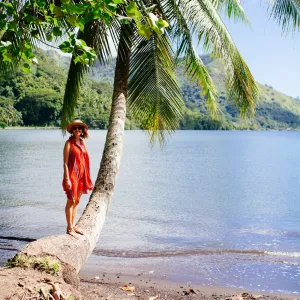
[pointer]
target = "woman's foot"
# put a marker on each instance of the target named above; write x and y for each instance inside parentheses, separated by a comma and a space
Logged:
(78, 230)
(72, 232)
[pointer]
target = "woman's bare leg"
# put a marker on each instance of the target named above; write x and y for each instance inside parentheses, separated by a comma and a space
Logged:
(69, 216)
(74, 210)
(74, 215)
(69, 213)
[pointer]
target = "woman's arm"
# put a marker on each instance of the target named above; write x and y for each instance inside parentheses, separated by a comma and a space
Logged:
(66, 170)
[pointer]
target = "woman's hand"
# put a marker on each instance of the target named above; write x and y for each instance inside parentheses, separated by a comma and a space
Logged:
(68, 183)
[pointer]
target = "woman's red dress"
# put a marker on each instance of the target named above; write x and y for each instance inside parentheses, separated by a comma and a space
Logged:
(79, 170)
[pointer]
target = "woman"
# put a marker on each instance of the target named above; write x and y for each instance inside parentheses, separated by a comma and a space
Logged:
(77, 179)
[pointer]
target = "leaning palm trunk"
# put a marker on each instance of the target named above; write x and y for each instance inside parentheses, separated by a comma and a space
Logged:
(72, 253)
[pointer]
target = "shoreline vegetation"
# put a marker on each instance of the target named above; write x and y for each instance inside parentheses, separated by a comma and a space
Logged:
(179, 129)
(30, 127)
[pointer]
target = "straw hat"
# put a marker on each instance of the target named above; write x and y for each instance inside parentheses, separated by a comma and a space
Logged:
(76, 123)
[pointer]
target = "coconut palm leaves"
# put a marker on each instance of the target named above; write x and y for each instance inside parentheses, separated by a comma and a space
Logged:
(154, 95)
(95, 35)
(203, 20)
(286, 13)
(198, 72)
(194, 66)
(231, 8)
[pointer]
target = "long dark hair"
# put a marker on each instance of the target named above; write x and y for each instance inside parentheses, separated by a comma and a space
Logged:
(84, 134)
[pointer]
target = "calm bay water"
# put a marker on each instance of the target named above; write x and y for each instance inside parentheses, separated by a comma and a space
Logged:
(211, 208)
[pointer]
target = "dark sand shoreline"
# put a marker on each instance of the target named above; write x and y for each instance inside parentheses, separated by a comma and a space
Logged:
(108, 286)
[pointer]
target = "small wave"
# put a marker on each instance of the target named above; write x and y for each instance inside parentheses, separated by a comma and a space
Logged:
(287, 254)
(171, 253)
(271, 232)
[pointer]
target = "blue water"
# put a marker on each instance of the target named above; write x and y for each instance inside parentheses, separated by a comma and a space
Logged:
(211, 208)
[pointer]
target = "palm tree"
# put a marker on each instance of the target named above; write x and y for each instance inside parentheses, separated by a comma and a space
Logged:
(145, 73)
(153, 93)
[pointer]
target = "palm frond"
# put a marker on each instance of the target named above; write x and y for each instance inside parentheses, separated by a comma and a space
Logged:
(204, 20)
(119, 32)
(194, 67)
(155, 98)
(95, 35)
(231, 8)
(98, 38)
(75, 77)
(198, 72)
(286, 13)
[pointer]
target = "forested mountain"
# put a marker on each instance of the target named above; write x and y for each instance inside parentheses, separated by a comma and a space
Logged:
(36, 99)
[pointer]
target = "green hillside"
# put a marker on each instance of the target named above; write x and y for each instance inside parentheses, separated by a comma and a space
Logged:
(274, 111)
(36, 99)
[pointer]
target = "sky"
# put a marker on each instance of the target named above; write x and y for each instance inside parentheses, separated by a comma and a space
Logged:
(273, 57)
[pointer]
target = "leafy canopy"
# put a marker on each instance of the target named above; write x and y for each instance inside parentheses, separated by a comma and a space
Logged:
(26, 24)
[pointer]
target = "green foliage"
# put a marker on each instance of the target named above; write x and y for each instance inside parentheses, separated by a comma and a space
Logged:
(196, 121)
(94, 104)
(155, 101)
(9, 115)
(232, 8)
(35, 99)
(202, 19)
(45, 264)
(24, 24)
(40, 107)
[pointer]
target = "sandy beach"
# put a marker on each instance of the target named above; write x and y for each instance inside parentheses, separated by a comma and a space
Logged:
(123, 287)
(19, 283)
